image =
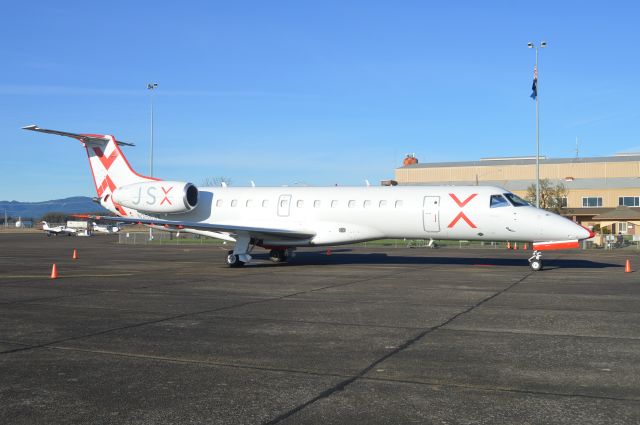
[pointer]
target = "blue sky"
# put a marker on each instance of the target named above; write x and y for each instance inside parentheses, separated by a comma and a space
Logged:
(309, 92)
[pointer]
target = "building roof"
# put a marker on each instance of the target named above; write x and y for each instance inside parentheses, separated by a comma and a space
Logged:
(592, 184)
(489, 162)
(620, 213)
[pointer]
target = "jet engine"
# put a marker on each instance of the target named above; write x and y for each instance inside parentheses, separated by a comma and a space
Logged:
(158, 197)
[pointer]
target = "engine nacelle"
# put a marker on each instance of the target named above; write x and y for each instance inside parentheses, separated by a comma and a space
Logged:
(168, 197)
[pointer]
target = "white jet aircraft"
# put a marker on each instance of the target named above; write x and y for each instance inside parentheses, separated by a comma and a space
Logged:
(58, 230)
(281, 219)
(103, 228)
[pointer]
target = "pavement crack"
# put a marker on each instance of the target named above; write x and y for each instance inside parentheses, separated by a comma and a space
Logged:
(340, 386)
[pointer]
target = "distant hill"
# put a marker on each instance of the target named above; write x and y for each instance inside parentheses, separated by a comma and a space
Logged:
(35, 210)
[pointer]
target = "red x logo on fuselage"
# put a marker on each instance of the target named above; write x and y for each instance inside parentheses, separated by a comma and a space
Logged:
(462, 215)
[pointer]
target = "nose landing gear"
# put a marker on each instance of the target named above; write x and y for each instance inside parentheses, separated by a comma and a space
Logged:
(535, 262)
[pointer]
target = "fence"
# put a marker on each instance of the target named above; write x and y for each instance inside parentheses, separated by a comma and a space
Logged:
(165, 238)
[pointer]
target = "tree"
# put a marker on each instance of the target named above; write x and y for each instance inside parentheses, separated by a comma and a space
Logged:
(216, 181)
(55, 217)
(552, 197)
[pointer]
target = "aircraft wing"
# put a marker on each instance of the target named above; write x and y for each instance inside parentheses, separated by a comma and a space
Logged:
(257, 232)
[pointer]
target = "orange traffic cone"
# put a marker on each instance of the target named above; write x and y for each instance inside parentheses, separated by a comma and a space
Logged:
(627, 267)
(75, 255)
(328, 252)
(515, 246)
(54, 271)
(508, 245)
(526, 246)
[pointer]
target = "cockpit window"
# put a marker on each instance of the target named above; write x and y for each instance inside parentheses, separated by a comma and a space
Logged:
(498, 201)
(516, 200)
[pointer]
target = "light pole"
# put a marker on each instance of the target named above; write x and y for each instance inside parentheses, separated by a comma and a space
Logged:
(535, 97)
(151, 87)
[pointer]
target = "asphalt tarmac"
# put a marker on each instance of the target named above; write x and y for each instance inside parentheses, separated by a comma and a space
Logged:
(169, 335)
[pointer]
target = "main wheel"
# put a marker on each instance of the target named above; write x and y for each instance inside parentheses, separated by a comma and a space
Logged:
(234, 260)
(278, 255)
(536, 265)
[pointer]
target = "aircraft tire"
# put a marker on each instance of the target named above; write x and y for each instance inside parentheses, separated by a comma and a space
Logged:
(234, 261)
(278, 255)
(536, 265)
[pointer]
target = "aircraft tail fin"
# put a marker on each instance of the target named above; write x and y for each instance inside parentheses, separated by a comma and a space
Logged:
(109, 167)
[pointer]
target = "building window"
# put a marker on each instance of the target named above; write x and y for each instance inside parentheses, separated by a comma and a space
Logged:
(562, 202)
(366, 204)
(265, 203)
(622, 227)
(219, 203)
(334, 204)
(629, 201)
(234, 203)
(592, 201)
(398, 204)
(316, 204)
(300, 203)
(352, 204)
(382, 204)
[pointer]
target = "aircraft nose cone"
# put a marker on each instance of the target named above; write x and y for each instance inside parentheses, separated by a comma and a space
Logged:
(585, 233)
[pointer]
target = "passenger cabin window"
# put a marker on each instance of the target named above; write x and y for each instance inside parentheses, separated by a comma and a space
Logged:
(366, 204)
(234, 203)
(334, 204)
(516, 200)
(219, 203)
(249, 203)
(352, 204)
(398, 204)
(300, 203)
(498, 201)
(316, 204)
(382, 204)
(284, 202)
(265, 203)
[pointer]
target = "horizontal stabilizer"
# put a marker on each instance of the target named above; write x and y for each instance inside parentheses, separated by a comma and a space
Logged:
(82, 137)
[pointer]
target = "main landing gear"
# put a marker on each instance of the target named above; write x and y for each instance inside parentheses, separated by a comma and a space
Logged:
(240, 254)
(281, 255)
(535, 262)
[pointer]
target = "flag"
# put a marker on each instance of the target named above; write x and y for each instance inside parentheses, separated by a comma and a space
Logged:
(534, 86)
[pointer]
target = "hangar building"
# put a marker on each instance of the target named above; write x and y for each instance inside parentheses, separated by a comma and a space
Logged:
(595, 186)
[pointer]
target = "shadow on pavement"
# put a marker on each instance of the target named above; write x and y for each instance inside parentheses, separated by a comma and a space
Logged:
(346, 256)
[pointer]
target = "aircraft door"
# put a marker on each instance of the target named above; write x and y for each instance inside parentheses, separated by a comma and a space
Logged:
(284, 205)
(431, 213)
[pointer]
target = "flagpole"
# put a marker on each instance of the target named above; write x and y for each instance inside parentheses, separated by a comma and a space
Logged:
(537, 134)
(543, 44)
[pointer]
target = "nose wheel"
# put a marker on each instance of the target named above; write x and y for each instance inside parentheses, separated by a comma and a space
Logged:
(535, 262)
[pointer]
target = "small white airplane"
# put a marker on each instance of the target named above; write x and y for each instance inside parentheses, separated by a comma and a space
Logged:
(103, 228)
(58, 230)
(281, 219)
